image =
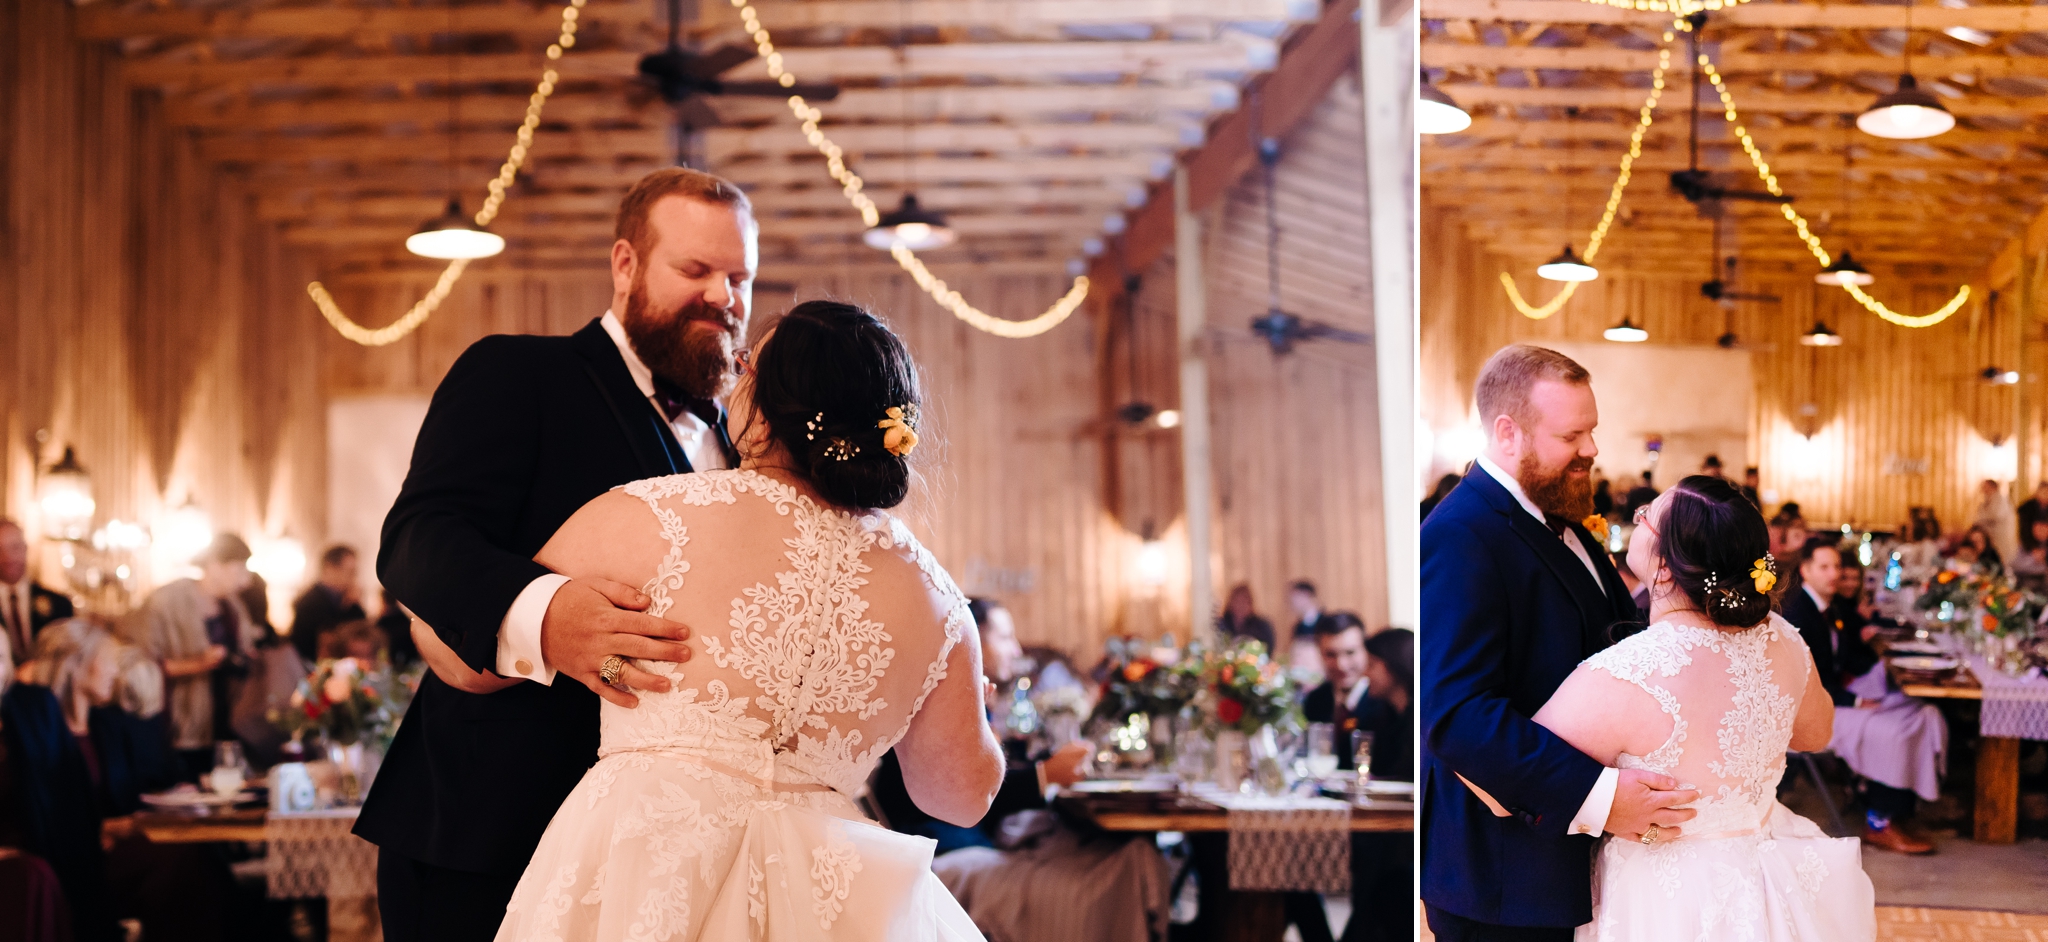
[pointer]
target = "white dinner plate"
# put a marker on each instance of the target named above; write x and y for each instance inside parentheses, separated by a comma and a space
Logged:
(1915, 647)
(1123, 786)
(193, 798)
(1926, 664)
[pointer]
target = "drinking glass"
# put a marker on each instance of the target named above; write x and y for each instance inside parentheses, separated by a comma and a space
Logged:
(1322, 755)
(1361, 754)
(1191, 753)
(229, 769)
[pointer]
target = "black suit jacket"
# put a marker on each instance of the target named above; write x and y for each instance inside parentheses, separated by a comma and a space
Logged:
(45, 606)
(1508, 611)
(522, 432)
(1835, 666)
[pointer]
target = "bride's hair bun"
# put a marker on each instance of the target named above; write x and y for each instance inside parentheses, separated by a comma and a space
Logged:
(1710, 541)
(825, 381)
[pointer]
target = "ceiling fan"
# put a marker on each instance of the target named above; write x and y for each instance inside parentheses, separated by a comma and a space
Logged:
(685, 78)
(1721, 290)
(1281, 329)
(1695, 185)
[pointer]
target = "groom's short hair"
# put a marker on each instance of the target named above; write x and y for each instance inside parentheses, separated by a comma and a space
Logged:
(1506, 380)
(632, 224)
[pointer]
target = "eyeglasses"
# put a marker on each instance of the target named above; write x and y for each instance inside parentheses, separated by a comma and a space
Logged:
(1642, 519)
(743, 365)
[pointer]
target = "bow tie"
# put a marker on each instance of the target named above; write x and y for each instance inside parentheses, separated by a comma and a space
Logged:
(1557, 524)
(674, 402)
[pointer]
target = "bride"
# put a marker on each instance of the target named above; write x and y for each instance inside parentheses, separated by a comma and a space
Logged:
(1713, 693)
(722, 807)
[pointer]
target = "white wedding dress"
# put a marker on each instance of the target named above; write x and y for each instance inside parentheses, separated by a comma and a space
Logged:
(723, 809)
(1746, 868)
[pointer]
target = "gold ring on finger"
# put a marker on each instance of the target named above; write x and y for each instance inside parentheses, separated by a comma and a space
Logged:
(1650, 836)
(609, 671)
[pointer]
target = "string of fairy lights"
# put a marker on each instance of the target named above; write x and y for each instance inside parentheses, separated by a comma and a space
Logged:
(1682, 9)
(851, 185)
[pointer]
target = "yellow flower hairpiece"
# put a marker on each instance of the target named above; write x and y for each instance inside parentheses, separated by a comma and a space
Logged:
(1763, 574)
(900, 439)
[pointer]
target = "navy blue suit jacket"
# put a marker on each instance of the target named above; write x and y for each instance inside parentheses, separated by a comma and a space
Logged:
(1507, 613)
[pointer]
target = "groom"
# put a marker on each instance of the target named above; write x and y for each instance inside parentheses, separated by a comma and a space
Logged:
(1515, 592)
(522, 432)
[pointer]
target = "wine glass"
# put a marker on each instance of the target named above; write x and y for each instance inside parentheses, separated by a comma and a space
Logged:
(1322, 750)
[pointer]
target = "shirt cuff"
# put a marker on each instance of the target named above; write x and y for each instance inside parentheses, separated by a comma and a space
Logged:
(519, 652)
(1592, 817)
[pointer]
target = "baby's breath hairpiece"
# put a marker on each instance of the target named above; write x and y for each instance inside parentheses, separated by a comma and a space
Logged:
(839, 449)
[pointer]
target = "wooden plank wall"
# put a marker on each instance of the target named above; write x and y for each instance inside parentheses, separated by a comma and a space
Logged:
(1899, 416)
(146, 317)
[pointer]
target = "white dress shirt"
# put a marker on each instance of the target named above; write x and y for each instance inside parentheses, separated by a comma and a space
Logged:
(519, 652)
(1592, 816)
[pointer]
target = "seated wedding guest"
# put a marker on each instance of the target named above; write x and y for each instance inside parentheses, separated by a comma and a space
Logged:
(335, 598)
(2030, 570)
(1027, 777)
(198, 630)
(1976, 552)
(2033, 509)
(1339, 700)
(25, 605)
(1894, 743)
(47, 808)
(1750, 480)
(397, 628)
(1379, 672)
(1239, 621)
(177, 891)
(1308, 614)
(1996, 518)
(1444, 486)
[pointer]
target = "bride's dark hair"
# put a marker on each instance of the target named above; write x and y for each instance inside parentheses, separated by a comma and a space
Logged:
(828, 375)
(1710, 532)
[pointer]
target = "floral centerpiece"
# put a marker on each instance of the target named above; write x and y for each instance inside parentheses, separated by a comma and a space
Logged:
(2009, 612)
(1139, 683)
(343, 700)
(1244, 689)
(1958, 591)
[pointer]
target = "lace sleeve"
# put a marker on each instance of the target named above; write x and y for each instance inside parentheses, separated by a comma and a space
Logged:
(1636, 661)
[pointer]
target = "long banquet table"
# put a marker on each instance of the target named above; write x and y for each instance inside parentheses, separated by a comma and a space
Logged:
(1998, 756)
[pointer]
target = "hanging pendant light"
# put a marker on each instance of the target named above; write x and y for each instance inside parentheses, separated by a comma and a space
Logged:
(1820, 336)
(1908, 114)
(1626, 332)
(1844, 271)
(453, 234)
(1567, 267)
(911, 226)
(1436, 112)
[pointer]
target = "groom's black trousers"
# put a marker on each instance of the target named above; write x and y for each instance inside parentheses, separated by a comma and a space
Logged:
(1451, 928)
(424, 903)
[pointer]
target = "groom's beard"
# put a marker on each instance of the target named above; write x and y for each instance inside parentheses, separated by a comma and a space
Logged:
(692, 346)
(1558, 493)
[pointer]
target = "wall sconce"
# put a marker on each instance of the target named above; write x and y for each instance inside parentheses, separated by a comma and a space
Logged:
(281, 562)
(64, 495)
(1153, 561)
(184, 533)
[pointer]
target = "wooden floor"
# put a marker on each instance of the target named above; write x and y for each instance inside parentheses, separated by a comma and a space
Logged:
(1904, 923)
(1960, 925)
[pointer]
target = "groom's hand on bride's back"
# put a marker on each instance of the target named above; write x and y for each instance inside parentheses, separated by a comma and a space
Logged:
(1643, 798)
(591, 619)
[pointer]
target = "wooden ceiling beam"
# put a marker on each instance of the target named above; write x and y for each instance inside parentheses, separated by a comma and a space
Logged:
(769, 204)
(1438, 156)
(427, 171)
(336, 21)
(1009, 103)
(1755, 101)
(1672, 131)
(1757, 16)
(598, 233)
(1030, 62)
(1441, 54)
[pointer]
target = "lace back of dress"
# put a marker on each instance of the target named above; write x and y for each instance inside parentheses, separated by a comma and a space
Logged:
(1731, 697)
(819, 632)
